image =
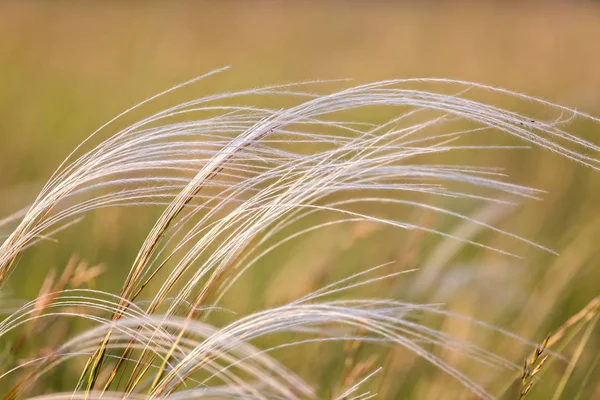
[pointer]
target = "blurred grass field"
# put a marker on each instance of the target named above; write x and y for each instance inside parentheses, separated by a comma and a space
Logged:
(66, 68)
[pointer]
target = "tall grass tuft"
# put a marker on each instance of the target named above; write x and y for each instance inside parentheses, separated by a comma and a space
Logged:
(235, 181)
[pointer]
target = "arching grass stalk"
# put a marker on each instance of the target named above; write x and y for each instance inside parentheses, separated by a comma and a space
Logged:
(233, 176)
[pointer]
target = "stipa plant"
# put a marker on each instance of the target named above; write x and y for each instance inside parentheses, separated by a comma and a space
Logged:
(236, 181)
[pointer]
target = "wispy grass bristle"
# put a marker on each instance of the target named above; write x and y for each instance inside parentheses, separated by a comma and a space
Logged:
(237, 180)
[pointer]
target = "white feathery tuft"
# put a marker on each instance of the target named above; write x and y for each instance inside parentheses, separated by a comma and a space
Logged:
(233, 177)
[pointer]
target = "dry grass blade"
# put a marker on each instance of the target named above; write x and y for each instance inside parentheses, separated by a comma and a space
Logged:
(585, 314)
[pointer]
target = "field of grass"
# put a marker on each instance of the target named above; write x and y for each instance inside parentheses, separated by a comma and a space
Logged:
(66, 68)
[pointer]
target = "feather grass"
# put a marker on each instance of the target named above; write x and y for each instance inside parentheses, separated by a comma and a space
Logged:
(234, 177)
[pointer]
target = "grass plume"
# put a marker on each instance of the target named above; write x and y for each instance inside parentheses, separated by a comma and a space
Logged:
(233, 178)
